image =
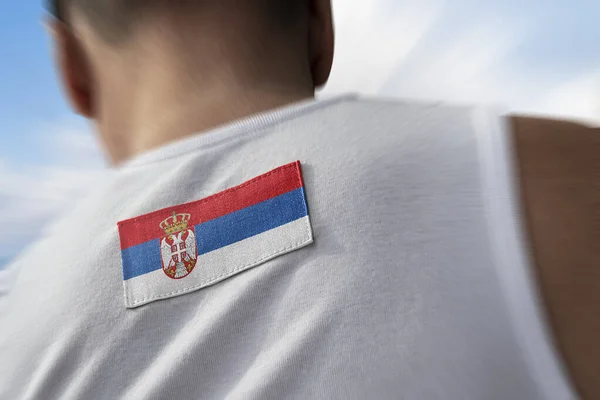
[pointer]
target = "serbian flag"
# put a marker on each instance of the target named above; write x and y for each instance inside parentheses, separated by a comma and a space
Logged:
(187, 247)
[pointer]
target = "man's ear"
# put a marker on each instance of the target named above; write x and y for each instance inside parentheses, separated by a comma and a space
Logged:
(321, 38)
(73, 68)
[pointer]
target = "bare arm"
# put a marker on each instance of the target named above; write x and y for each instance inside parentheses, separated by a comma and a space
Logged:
(559, 166)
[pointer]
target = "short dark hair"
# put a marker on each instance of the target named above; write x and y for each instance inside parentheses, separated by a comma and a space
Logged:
(113, 18)
(54, 8)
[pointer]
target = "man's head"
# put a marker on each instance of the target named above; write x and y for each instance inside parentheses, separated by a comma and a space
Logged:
(116, 57)
(115, 20)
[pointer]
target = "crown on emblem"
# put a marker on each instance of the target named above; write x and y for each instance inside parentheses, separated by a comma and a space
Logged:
(175, 223)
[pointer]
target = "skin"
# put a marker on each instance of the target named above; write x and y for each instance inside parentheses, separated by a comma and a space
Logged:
(559, 164)
(155, 88)
(178, 73)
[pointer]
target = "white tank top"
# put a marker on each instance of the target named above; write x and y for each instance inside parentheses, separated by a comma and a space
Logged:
(401, 271)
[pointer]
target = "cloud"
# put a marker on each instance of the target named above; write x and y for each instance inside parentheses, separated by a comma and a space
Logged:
(466, 66)
(373, 37)
(430, 50)
(69, 142)
(578, 97)
(33, 195)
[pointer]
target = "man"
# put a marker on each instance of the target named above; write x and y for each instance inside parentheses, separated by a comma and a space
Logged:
(252, 243)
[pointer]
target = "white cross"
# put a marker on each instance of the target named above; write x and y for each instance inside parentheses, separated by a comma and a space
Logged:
(179, 252)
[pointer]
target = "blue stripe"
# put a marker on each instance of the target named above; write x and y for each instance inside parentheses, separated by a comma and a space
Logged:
(141, 259)
(251, 221)
(212, 235)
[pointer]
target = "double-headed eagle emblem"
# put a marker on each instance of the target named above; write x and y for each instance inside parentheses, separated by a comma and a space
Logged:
(178, 248)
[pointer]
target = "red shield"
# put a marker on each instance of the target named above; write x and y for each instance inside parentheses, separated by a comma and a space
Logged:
(179, 254)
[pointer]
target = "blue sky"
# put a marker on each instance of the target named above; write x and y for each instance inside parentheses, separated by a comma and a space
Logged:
(537, 56)
(42, 145)
(29, 89)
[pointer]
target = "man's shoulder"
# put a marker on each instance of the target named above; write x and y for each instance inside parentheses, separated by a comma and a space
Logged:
(579, 135)
(559, 168)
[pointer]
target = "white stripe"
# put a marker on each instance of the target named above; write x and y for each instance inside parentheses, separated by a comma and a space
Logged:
(508, 240)
(220, 264)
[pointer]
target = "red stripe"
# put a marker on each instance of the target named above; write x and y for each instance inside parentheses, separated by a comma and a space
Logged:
(145, 228)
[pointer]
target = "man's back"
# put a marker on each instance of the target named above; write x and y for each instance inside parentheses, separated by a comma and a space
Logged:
(416, 285)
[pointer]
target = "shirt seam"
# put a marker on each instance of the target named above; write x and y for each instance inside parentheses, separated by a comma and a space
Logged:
(243, 129)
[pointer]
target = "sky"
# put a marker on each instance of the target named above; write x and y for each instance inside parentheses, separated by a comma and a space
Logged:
(536, 56)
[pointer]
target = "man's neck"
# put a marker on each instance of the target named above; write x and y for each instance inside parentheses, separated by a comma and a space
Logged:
(156, 123)
(170, 122)
(164, 90)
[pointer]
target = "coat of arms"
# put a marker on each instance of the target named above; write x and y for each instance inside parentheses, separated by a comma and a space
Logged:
(178, 247)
